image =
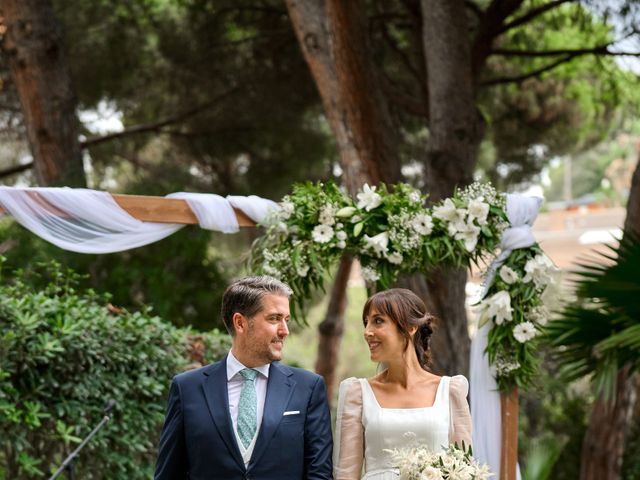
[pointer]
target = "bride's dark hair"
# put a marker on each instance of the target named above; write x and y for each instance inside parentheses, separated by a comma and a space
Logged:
(406, 310)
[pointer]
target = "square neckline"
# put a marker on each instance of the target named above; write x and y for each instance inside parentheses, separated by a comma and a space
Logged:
(435, 401)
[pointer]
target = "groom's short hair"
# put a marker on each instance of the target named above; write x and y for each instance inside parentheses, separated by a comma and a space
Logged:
(245, 296)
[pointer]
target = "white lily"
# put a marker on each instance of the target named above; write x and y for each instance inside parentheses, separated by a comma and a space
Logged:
(368, 198)
(498, 307)
(378, 243)
(479, 210)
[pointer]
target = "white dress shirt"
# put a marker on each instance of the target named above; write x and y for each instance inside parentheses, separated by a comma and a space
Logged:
(234, 386)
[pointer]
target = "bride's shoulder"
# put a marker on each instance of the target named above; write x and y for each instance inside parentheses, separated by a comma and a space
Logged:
(459, 385)
(350, 383)
(350, 390)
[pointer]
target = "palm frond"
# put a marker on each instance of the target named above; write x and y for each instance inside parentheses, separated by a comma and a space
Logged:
(599, 333)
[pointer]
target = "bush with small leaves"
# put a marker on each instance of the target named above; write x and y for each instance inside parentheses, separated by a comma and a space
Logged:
(63, 355)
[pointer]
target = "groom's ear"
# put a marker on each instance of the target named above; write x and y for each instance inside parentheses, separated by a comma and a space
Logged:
(240, 323)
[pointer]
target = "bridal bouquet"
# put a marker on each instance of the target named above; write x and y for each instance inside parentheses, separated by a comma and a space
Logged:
(420, 463)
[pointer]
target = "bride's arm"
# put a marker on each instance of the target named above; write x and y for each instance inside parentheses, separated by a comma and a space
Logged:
(348, 451)
(460, 423)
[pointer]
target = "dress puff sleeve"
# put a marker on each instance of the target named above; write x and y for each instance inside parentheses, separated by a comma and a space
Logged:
(348, 450)
(459, 415)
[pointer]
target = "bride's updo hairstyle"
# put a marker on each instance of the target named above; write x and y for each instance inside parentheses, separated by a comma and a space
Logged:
(406, 310)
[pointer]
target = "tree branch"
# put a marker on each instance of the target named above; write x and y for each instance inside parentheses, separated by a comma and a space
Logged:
(489, 26)
(599, 50)
(413, 105)
(531, 14)
(473, 6)
(401, 53)
(16, 169)
(525, 76)
(157, 126)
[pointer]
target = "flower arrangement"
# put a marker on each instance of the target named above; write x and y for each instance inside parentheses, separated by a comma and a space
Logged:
(390, 231)
(514, 304)
(454, 463)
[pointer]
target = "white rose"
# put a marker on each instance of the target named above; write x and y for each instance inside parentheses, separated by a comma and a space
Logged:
(302, 271)
(341, 235)
(431, 473)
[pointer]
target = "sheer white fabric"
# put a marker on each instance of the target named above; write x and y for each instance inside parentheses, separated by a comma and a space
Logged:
(256, 208)
(212, 211)
(89, 221)
(485, 398)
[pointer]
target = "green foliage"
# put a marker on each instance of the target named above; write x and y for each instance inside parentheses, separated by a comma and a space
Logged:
(522, 278)
(564, 111)
(63, 354)
(599, 333)
(182, 276)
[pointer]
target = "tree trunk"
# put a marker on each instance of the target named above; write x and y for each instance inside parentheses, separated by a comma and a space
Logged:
(603, 444)
(332, 327)
(365, 106)
(334, 44)
(455, 133)
(32, 46)
(632, 221)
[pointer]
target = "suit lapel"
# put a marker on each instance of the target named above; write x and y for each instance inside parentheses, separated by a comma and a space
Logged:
(279, 390)
(215, 391)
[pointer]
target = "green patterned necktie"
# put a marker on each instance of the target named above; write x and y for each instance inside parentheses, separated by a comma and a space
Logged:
(248, 407)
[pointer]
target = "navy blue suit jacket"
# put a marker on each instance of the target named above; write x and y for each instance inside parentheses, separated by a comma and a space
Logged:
(198, 442)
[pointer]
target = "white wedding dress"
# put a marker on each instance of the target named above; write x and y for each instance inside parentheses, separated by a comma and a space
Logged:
(366, 441)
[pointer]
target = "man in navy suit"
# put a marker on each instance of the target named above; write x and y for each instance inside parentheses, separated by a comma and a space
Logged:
(248, 416)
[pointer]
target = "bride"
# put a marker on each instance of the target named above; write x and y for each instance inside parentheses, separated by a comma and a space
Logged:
(405, 404)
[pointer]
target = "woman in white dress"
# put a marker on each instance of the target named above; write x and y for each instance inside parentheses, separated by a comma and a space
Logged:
(405, 404)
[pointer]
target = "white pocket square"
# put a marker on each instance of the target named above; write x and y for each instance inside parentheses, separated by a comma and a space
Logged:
(291, 412)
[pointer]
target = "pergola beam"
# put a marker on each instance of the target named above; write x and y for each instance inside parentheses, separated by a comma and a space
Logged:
(164, 210)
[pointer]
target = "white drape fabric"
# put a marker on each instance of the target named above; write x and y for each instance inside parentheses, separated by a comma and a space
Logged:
(256, 208)
(485, 398)
(89, 221)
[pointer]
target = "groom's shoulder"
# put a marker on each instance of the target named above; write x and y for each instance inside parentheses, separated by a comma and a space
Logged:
(197, 374)
(299, 374)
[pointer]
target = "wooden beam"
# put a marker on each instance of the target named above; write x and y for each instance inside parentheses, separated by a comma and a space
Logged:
(161, 210)
(509, 452)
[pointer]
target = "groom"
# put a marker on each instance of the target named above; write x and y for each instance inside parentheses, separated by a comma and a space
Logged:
(248, 416)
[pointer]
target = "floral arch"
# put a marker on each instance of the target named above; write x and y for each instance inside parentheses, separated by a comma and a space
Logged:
(390, 231)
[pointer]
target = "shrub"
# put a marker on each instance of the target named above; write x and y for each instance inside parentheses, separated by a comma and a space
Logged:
(63, 354)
